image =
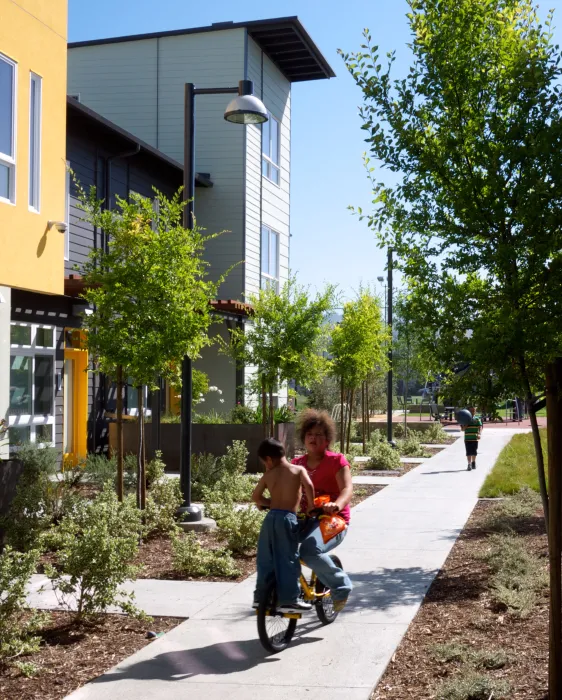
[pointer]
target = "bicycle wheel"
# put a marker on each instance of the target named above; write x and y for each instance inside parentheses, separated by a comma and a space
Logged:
(274, 629)
(325, 605)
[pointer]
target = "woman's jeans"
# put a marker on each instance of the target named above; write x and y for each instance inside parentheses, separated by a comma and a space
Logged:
(314, 553)
(278, 556)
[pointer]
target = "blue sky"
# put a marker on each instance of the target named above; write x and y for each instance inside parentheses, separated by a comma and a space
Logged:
(329, 244)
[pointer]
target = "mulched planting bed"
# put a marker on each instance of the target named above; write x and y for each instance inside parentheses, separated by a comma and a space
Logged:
(155, 554)
(433, 450)
(459, 609)
(70, 655)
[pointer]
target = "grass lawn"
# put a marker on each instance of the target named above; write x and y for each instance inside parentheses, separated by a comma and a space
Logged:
(515, 468)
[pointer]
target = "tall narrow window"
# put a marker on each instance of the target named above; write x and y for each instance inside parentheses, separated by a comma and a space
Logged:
(271, 132)
(269, 258)
(7, 130)
(67, 213)
(34, 142)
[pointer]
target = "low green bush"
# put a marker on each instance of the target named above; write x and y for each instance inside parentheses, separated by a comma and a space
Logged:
(18, 626)
(192, 559)
(472, 686)
(435, 435)
(383, 457)
(411, 447)
(95, 546)
(239, 527)
(43, 497)
(163, 499)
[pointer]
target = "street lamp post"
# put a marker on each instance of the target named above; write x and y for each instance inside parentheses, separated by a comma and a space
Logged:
(389, 326)
(245, 108)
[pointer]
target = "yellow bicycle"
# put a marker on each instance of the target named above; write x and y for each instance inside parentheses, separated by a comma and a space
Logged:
(276, 629)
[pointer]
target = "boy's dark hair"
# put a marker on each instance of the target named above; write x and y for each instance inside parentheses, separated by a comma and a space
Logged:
(271, 448)
(311, 418)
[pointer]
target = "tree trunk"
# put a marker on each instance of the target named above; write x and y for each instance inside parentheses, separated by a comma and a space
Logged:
(351, 400)
(342, 417)
(120, 433)
(271, 414)
(363, 421)
(264, 406)
(368, 410)
(554, 432)
(141, 480)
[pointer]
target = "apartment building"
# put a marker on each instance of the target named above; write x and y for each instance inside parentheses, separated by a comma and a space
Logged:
(33, 51)
(137, 82)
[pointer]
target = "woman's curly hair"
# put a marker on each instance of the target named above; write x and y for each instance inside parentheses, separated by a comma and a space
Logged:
(311, 418)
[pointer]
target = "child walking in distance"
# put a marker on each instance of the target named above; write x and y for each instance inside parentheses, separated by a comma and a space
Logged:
(278, 544)
(472, 433)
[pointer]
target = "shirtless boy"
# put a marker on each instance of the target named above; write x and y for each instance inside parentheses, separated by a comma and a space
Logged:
(278, 544)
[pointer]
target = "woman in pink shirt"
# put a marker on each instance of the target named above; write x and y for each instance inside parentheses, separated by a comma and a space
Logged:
(330, 475)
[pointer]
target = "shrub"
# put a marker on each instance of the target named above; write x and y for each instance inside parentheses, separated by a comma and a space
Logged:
(383, 457)
(400, 432)
(377, 436)
(205, 472)
(240, 528)
(472, 686)
(163, 499)
(491, 659)
(42, 497)
(209, 418)
(98, 469)
(411, 447)
(435, 435)
(242, 414)
(95, 545)
(192, 559)
(17, 625)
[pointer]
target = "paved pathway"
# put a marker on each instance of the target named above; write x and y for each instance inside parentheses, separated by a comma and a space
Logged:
(397, 542)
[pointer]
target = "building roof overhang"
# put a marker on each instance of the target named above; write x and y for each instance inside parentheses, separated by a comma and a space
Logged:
(283, 39)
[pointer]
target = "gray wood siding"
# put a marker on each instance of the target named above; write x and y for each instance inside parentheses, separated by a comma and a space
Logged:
(117, 79)
(119, 82)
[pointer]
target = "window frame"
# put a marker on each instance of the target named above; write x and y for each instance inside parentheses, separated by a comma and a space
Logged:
(267, 277)
(67, 212)
(6, 159)
(267, 158)
(35, 131)
(32, 420)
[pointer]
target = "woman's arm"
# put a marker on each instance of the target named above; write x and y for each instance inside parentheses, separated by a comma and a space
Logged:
(343, 477)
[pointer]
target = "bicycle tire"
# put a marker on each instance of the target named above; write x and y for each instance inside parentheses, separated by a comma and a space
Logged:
(274, 637)
(325, 605)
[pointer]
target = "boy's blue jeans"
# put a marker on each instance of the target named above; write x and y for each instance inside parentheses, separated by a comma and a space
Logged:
(278, 556)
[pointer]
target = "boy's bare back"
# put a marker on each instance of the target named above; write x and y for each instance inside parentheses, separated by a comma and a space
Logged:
(284, 482)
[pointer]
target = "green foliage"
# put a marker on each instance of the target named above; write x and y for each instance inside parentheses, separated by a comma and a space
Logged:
(98, 469)
(435, 435)
(286, 337)
(239, 527)
(383, 457)
(411, 446)
(222, 479)
(472, 686)
(193, 559)
(17, 625)
(209, 418)
(357, 343)
(242, 414)
(515, 468)
(42, 497)
(163, 499)
(95, 545)
(199, 386)
(150, 290)
(490, 659)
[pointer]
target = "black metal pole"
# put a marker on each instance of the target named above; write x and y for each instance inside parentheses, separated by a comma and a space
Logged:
(190, 513)
(389, 327)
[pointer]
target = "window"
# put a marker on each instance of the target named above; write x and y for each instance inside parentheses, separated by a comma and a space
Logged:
(34, 142)
(67, 213)
(7, 130)
(32, 384)
(269, 258)
(271, 137)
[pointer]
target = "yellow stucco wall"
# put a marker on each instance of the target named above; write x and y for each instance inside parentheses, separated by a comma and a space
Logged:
(33, 33)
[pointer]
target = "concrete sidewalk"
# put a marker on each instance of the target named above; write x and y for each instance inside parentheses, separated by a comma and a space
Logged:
(397, 542)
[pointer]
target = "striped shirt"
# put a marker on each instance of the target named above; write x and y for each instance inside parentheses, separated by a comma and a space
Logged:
(472, 430)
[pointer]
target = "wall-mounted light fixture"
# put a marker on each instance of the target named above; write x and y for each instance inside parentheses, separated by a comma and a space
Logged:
(59, 225)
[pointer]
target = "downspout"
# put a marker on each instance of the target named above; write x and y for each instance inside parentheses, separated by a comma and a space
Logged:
(104, 243)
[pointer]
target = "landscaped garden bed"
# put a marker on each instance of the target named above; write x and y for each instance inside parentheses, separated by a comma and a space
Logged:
(72, 654)
(482, 631)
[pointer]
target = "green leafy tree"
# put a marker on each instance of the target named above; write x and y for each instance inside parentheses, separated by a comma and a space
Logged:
(150, 294)
(285, 339)
(472, 131)
(357, 348)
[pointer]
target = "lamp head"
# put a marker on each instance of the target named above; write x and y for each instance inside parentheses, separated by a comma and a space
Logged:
(246, 108)
(380, 279)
